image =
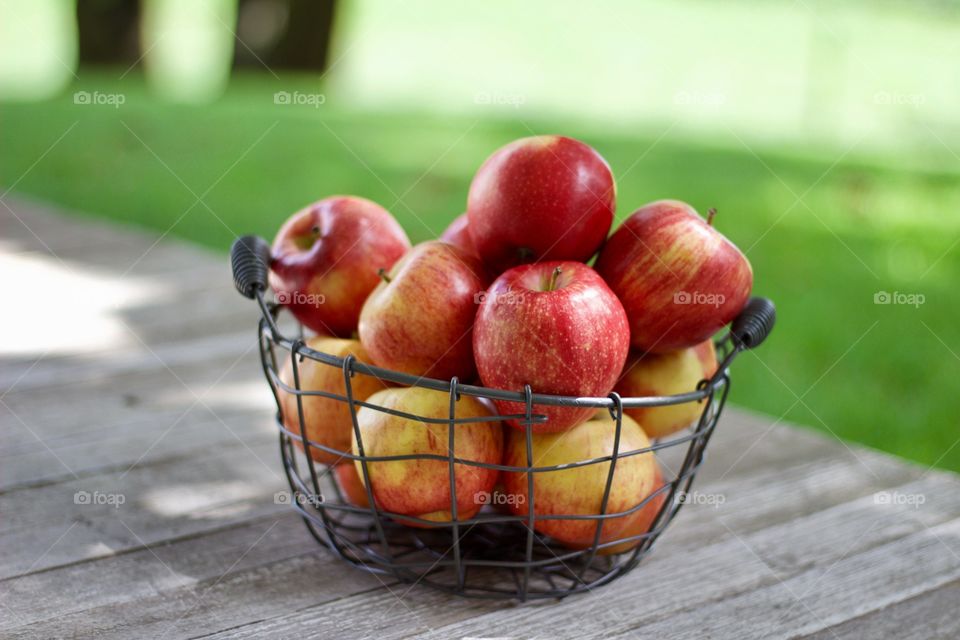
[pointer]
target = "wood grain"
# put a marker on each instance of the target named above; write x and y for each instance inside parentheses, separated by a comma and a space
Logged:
(803, 535)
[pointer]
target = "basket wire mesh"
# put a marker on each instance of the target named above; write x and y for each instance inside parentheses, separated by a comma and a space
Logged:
(493, 554)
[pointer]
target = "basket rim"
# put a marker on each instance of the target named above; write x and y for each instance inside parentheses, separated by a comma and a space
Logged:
(269, 329)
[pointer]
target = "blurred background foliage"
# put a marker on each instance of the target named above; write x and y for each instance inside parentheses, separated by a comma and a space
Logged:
(826, 134)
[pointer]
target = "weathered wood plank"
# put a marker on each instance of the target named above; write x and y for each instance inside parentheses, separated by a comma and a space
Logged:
(219, 350)
(216, 603)
(83, 241)
(809, 602)
(141, 444)
(932, 614)
(29, 224)
(114, 589)
(671, 588)
(834, 481)
(45, 526)
(771, 495)
(65, 410)
(682, 578)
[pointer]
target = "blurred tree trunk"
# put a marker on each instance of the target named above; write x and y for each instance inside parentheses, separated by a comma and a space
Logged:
(284, 34)
(109, 31)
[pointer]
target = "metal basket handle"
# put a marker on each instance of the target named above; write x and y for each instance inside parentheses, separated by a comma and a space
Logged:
(250, 260)
(754, 324)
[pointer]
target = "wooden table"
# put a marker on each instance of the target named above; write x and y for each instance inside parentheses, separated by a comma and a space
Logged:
(140, 464)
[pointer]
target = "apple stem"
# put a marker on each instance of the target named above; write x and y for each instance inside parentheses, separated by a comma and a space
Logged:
(383, 274)
(710, 214)
(552, 285)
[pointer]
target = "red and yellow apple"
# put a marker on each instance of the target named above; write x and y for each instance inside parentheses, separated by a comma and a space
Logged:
(579, 490)
(458, 234)
(326, 257)
(351, 486)
(680, 280)
(540, 198)
(641, 521)
(557, 327)
(666, 374)
(421, 488)
(420, 318)
(327, 421)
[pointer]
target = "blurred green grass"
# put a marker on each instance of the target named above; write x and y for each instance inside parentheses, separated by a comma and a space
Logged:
(824, 236)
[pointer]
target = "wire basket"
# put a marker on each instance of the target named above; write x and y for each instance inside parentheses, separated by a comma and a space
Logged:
(493, 554)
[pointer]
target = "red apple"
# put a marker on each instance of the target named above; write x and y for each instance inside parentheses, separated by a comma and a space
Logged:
(665, 374)
(541, 198)
(458, 234)
(421, 488)
(350, 484)
(327, 421)
(680, 280)
(419, 319)
(579, 490)
(326, 258)
(557, 327)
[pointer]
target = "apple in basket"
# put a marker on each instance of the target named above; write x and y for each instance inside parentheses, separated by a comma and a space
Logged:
(351, 486)
(665, 374)
(419, 319)
(557, 327)
(458, 234)
(326, 257)
(328, 421)
(579, 490)
(680, 280)
(540, 198)
(417, 487)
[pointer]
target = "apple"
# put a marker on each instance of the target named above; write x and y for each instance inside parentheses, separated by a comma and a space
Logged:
(579, 490)
(351, 486)
(458, 234)
(642, 520)
(327, 421)
(421, 488)
(419, 319)
(665, 374)
(557, 327)
(680, 280)
(540, 198)
(325, 260)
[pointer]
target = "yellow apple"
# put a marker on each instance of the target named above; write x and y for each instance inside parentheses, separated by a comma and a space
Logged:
(327, 421)
(665, 374)
(579, 490)
(421, 488)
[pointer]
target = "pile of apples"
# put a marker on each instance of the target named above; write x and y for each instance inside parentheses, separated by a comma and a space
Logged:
(506, 298)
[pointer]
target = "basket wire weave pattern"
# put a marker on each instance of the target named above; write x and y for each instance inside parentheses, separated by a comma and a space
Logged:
(493, 554)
